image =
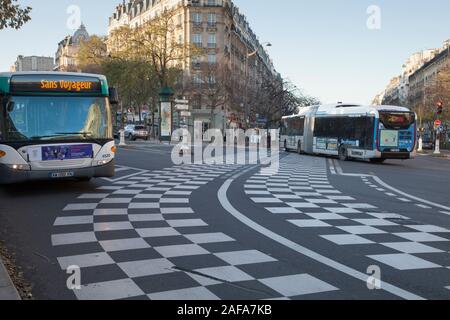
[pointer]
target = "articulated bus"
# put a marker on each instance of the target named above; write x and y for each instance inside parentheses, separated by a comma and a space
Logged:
(349, 131)
(55, 125)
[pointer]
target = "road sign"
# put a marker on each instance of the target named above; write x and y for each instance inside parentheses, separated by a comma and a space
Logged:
(437, 123)
(441, 128)
(180, 101)
(186, 114)
(182, 107)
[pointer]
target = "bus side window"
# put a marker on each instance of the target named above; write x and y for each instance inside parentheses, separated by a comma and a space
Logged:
(283, 128)
(319, 127)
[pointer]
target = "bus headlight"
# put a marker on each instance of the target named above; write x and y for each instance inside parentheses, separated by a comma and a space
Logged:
(102, 162)
(19, 167)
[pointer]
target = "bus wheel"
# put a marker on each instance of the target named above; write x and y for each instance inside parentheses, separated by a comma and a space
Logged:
(343, 155)
(377, 160)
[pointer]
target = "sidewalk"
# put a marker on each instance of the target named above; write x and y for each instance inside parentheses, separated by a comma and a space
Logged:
(444, 153)
(7, 289)
(150, 141)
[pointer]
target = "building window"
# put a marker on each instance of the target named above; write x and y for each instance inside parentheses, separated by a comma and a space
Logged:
(212, 2)
(197, 39)
(34, 66)
(197, 18)
(212, 19)
(212, 58)
(196, 63)
(212, 40)
(197, 102)
(197, 79)
(211, 80)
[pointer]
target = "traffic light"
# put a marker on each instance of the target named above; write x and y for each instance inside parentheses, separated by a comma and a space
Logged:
(440, 107)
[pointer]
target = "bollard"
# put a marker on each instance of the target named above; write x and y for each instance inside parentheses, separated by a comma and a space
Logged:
(438, 146)
(122, 138)
(420, 148)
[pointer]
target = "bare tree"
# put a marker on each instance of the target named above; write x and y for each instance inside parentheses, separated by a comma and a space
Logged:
(210, 81)
(154, 41)
(274, 98)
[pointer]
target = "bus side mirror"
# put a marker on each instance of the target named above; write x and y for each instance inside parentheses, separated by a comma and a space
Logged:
(10, 106)
(113, 96)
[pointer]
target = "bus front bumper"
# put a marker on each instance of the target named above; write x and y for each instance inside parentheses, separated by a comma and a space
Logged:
(10, 176)
(397, 155)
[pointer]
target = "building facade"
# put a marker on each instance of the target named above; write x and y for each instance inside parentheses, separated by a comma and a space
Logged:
(66, 54)
(33, 63)
(426, 77)
(218, 27)
(378, 100)
(397, 92)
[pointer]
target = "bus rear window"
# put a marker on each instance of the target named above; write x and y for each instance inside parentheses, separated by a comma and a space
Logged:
(397, 120)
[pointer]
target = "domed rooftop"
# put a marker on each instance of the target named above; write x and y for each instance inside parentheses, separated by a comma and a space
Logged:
(80, 35)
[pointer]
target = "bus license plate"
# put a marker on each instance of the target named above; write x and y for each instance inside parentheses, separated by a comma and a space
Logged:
(395, 150)
(68, 174)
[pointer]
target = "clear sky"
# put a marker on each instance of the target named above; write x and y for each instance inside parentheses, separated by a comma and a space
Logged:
(323, 46)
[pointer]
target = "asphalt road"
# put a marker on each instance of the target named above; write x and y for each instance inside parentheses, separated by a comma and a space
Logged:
(316, 229)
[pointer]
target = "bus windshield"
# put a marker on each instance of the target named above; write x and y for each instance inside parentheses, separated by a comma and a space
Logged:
(57, 118)
(397, 120)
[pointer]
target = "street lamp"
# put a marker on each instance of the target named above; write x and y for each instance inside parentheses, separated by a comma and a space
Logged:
(250, 54)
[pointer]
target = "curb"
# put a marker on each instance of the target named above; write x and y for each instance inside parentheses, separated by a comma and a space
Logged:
(7, 289)
(443, 155)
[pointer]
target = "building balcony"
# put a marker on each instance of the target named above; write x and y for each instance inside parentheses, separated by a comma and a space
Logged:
(211, 27)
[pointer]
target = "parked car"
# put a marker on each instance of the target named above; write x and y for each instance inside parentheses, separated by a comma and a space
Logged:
(134, 132)
(428, 142)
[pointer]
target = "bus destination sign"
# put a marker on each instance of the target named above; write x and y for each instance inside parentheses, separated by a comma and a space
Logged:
(55, 84)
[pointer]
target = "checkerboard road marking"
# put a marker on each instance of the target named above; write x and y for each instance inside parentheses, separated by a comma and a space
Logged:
(324, 208)
(144, 231)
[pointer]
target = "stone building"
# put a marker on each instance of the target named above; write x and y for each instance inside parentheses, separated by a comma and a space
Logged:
(397, 92)
(426, 76)
(33, 63)
(68, 49)
(224, 33)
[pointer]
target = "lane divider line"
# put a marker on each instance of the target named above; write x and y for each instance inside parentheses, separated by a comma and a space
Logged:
(223, 199)
(387, 186)
(332, 169)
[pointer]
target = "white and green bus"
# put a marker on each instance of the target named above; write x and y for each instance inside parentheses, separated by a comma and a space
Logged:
(351, 131)
(55, 125)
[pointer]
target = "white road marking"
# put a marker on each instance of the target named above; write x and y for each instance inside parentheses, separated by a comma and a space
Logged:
(387, 186)
(119, 169)
(423, 206)
(222, 196)
(73, 238)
